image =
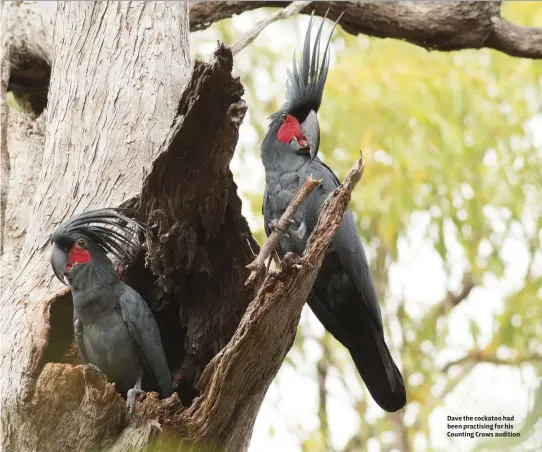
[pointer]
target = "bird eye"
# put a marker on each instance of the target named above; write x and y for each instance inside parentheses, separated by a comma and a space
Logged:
(81, 243)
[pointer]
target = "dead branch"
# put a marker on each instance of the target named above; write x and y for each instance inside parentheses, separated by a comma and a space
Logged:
(257, 266)
(452, 25)
(236, 380)
(333, 209)
(252, 34)
(446, 26)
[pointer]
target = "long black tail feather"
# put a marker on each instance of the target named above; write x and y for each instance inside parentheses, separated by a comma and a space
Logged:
(377, 368)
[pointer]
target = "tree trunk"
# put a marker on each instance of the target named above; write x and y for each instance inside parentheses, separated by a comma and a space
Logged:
(130, 123)
(119, 72)
(26, 136)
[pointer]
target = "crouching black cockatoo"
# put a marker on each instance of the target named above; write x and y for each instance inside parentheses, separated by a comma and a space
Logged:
(114, 328)
(343, 297)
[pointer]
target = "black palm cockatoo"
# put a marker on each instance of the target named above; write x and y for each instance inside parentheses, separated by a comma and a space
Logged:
(343, 297)
(114, 328)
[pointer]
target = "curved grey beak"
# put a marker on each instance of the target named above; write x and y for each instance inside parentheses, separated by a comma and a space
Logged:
(59, 259)
(311, 129)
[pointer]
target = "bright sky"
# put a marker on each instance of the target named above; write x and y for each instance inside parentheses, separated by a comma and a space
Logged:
(289, 411)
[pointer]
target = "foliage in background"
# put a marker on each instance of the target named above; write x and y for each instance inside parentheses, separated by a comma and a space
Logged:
(454, 173)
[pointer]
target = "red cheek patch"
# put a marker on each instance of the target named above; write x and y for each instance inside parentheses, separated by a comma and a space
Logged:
(289, 129)
(77, 255)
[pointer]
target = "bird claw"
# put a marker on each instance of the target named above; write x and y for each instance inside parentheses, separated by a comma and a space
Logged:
(300, 233)
(274, 225)
(131, 398)
(93, 368)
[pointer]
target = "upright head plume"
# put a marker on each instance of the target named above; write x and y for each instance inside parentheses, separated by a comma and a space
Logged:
(297, 119)
(305, 86)
(84, 237)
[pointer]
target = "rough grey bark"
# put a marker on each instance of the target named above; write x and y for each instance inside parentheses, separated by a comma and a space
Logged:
(451, 25)
(26, 138)
(31, 25)
(199, 243)
(5, 66)
(109, 112)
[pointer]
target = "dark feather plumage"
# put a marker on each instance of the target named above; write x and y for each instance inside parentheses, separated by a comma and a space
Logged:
(305, 87)
(343, 298)
(113, 325)
(113, 230)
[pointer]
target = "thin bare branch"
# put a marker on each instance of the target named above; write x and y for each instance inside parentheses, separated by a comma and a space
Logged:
(252, 34)
(453, 382)
(257, 266)
(402, 441)
(452, 300)
(322, 371)
(269, 325)
(481, 356)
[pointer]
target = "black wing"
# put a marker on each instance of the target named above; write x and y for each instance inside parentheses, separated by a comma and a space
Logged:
(347, 244)
(351, 254)
(350, 309)
(146, 336)
(265, 212)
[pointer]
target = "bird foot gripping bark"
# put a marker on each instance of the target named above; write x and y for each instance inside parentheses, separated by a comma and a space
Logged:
(274, 225)
(131, 398)
(298, 234)
(93, 368)
(133, 394)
